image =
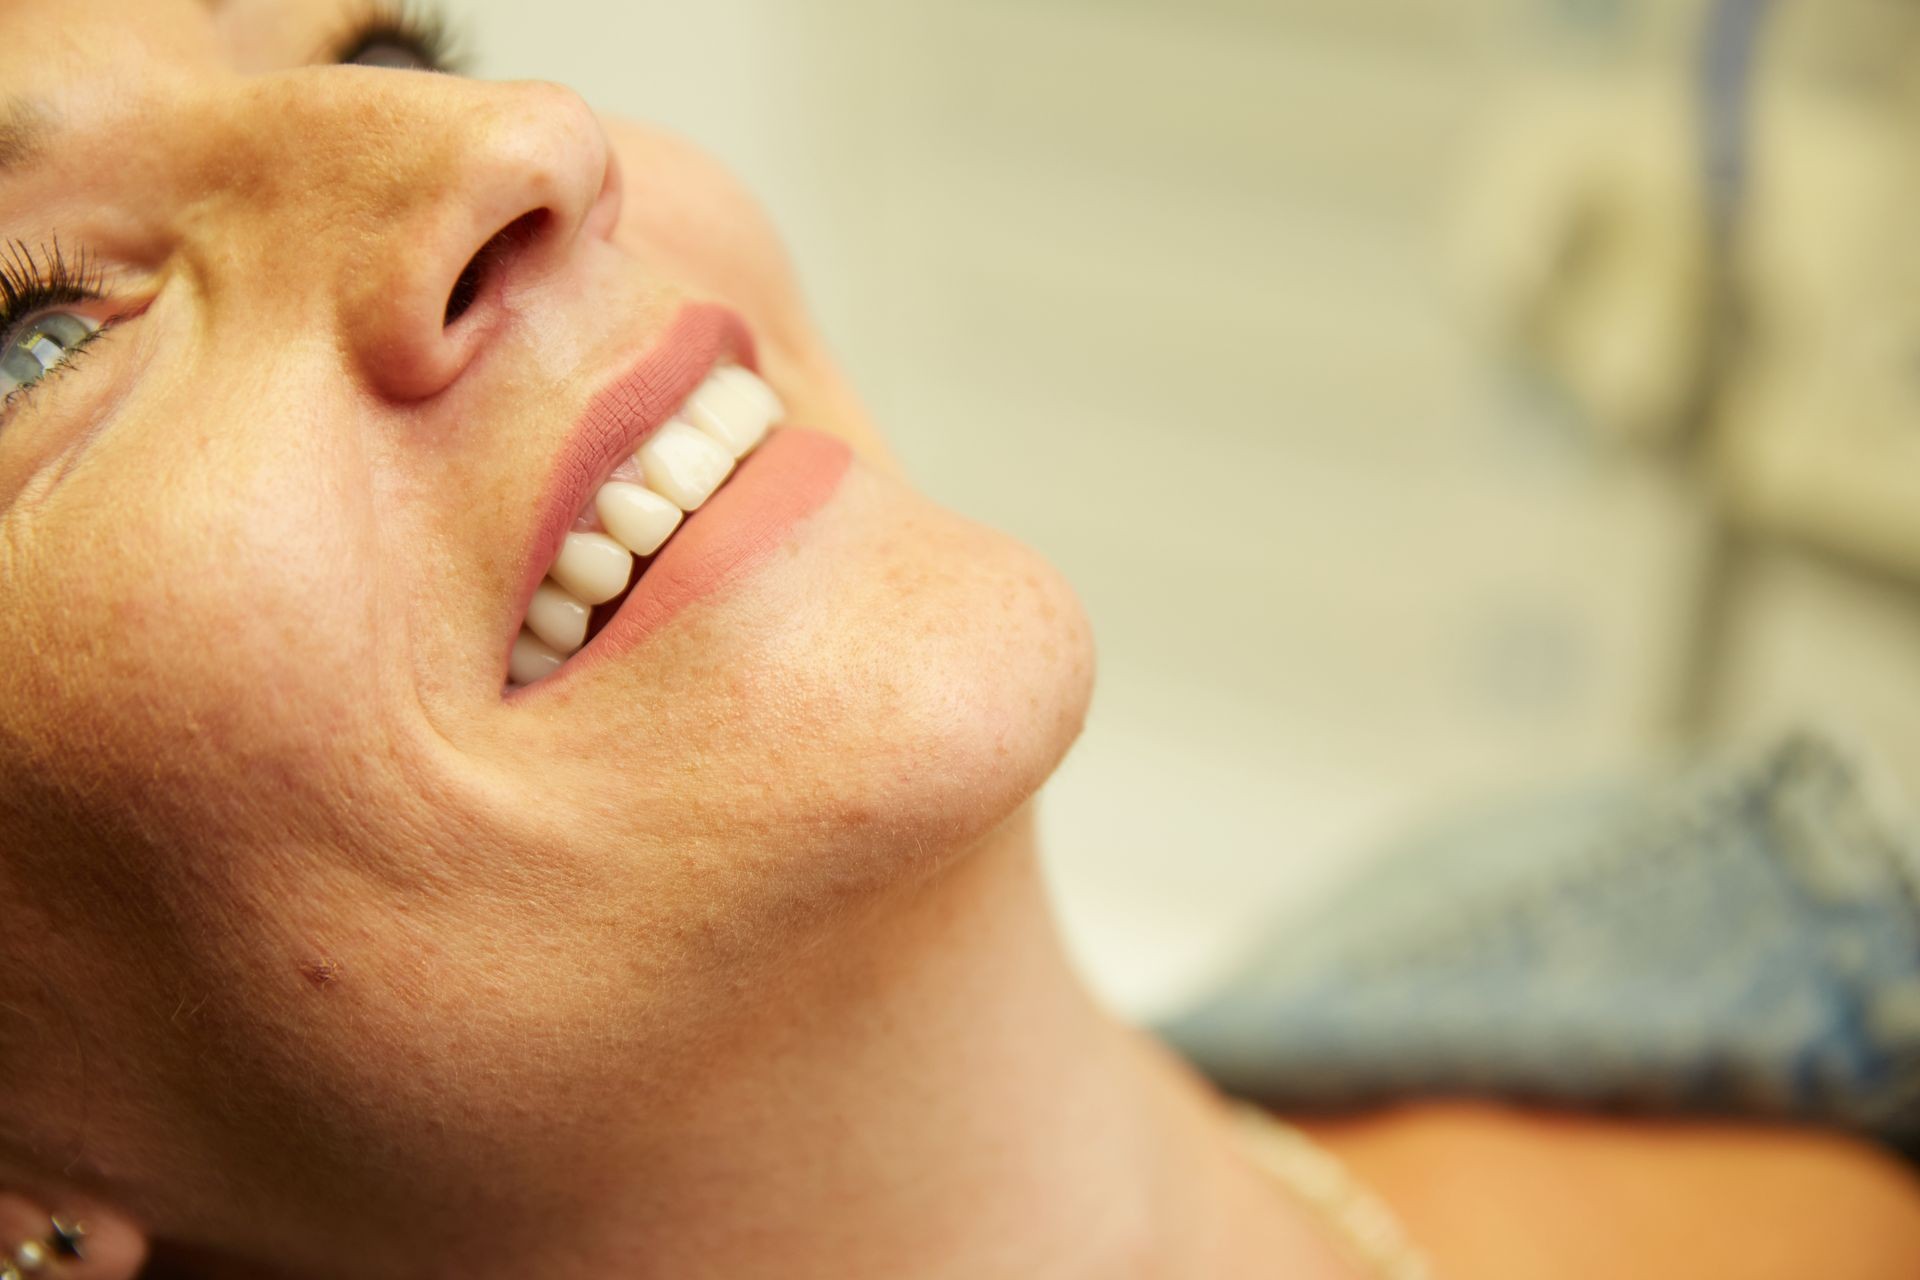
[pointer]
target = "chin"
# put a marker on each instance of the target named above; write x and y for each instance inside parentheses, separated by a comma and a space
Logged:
(987, 672)
(925, 678)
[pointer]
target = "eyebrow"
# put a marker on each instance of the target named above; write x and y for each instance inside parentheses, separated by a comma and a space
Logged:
(26, 127)
(28, 124)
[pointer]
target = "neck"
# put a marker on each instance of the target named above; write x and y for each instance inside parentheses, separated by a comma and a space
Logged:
(933, 1093)
(961, 1107)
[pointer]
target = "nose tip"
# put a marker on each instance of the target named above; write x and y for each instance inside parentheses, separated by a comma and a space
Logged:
(519, 187)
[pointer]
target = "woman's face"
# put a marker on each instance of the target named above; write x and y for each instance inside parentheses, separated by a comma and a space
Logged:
(265, 542)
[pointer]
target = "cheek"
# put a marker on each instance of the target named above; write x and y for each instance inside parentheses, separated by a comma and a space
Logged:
(695, 224)
(217, 623)
(274, 596)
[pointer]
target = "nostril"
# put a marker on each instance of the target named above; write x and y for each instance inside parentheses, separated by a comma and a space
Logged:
(466, 289)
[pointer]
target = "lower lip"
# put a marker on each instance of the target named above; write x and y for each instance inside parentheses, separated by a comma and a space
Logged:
(779, 484)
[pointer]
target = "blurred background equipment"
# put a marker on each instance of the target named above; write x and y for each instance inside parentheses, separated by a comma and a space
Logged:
(1380, 371)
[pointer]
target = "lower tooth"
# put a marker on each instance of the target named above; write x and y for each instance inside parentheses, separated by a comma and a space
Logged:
(533, 659)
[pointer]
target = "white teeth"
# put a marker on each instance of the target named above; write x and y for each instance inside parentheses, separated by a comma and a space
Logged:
(683, 464)
(638, 518)
(731, 413)
(750, 385)
(592, 567)
(557, 618)
(532, 659)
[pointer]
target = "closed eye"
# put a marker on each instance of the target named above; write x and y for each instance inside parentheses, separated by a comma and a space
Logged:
(405, 35)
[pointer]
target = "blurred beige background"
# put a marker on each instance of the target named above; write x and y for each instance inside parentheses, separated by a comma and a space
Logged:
(1335, 349)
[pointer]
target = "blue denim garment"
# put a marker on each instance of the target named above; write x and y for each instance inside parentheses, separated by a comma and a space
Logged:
(1740, 942)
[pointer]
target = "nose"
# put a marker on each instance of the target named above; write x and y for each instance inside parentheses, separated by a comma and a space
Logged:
(492, 192)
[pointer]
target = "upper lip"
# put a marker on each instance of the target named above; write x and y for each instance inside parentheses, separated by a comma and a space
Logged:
(626, 409)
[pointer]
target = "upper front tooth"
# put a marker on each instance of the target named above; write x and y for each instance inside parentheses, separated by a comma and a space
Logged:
(683, 465)
(592, 567)
(638, 518)
(731, 413)
(751, 385)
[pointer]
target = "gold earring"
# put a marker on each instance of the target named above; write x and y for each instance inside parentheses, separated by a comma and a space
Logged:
(69, 1237)
(66, 1238)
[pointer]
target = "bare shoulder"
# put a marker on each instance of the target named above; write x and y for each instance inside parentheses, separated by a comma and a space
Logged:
(1493, 1192)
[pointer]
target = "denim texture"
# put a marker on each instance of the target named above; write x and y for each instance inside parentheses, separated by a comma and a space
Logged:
(1733, 942)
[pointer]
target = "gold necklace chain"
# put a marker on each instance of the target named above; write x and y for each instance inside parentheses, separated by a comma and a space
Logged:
(1317, 1178)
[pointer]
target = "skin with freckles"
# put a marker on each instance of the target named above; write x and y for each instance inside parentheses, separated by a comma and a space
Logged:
(730, 958)
(262, 545)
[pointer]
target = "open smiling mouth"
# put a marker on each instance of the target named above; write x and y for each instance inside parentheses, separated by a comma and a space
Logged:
(635, 511)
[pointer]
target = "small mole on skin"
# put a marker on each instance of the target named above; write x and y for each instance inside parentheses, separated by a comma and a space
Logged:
(322, 972)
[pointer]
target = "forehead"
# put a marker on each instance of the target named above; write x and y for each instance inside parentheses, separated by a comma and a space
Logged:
(62, 62)
(48, 47)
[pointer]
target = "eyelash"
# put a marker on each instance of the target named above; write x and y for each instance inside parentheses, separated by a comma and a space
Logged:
(422, 29)
(32, 283)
